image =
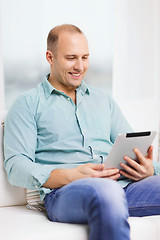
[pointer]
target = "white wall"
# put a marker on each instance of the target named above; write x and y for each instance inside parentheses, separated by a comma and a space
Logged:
(157, 46)
(137, 52)
(136, 68)
(2, 101)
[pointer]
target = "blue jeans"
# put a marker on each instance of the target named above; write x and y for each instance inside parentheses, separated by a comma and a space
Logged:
(104, 205)
(144, 197)
(99, 202)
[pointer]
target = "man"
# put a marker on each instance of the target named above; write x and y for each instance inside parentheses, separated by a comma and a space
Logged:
(57, 137)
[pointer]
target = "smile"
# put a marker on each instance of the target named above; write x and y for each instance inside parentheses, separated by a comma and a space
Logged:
(75, 74)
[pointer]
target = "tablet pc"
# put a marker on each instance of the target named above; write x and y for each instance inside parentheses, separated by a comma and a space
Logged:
(124, 145)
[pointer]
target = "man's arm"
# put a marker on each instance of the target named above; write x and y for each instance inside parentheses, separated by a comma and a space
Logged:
(20, 140)
(61, 177)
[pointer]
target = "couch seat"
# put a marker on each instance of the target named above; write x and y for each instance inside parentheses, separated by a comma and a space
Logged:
(20, 223)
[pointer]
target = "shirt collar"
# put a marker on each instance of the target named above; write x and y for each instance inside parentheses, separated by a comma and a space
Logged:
(83, 88)
(48, 88)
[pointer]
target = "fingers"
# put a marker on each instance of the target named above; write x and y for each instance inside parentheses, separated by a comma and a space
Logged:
(138, 170)
(96, 166)
(127, 175)
(98, 170)
(141, 157)
(130, 172)
(109, 172)
(104, 173)
(115, 177)
(132, 165)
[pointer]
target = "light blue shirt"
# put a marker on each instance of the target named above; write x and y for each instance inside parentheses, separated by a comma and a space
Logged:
(45, 130)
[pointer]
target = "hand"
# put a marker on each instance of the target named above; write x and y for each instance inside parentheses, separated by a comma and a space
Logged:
(61, 177)
(95, 170)
(137, 171)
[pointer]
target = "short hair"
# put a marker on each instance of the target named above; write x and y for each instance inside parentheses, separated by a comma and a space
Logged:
(53, 35)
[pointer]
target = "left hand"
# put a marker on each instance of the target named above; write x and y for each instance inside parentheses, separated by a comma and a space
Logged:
(138, 170)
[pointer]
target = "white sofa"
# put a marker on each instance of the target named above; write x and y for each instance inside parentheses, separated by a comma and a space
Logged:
(18, 222)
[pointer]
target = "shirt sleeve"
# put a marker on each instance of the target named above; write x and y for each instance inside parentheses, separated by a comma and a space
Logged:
(20, 140)
(119, 123)
(156, 165)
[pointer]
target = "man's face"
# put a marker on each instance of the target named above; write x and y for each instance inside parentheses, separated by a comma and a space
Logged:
(71, 62)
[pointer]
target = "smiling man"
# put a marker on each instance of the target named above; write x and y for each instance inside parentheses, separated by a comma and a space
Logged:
(57, 136)
(69, 61)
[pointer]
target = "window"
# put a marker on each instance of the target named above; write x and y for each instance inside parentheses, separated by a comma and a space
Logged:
(25, 26)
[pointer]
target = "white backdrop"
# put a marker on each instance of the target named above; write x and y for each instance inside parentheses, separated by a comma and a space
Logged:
(2, 101)
(136, 70)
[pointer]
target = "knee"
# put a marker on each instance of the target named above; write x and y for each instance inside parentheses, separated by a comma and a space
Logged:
(105, 194)
(105, 199)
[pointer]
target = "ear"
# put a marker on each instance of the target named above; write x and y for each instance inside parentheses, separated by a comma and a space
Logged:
(49, 56)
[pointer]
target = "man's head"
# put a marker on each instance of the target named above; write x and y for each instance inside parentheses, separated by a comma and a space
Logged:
(68, 56)
(53, 35)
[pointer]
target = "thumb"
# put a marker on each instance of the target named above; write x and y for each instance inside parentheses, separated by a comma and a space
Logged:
(150, 152)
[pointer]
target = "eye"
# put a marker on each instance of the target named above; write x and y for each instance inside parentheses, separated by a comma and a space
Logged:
(85, 57)
(70, 58)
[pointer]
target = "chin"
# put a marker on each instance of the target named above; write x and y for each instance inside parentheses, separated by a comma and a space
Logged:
(77, 83)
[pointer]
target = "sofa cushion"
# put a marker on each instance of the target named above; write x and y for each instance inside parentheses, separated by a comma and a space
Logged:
(33, 200)
(19, 223)
(34, 225)
(10, 195)
(145, 228)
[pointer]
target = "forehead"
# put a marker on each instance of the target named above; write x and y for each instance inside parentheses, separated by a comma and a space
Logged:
(72, 43)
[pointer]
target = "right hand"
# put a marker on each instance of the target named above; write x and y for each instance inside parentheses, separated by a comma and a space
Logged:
(94, 170)
(61, 177)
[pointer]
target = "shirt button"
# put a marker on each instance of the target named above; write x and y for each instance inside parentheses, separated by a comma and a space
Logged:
(69, 99)
(36, 186)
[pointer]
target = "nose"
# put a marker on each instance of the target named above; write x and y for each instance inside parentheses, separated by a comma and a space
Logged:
(79, 65)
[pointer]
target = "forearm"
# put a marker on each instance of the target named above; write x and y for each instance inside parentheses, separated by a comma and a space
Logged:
(59, 177)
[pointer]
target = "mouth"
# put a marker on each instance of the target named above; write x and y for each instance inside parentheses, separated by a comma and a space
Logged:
(75, 75)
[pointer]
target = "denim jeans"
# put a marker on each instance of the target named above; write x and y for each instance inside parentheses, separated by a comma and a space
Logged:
(100, 203)
(144, 197)
(104, 205)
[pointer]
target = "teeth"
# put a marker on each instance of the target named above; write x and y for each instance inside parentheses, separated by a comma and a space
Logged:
(76, 74)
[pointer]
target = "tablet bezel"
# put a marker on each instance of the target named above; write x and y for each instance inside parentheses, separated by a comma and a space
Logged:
(124, 145)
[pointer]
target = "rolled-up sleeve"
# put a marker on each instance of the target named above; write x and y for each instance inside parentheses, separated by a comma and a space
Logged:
(20, 140)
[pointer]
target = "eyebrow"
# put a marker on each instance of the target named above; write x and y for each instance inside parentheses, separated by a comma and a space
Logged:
(74, 55)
